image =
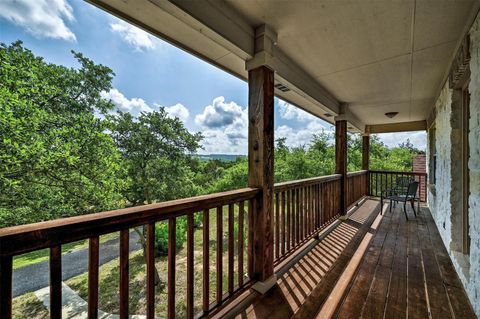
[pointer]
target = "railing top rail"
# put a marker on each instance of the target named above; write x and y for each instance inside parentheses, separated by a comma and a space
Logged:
(398, 172)
(357, 173)
(24, 238)
(279, 187)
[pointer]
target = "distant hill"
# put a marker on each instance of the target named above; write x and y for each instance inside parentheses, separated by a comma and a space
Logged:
(221, 157)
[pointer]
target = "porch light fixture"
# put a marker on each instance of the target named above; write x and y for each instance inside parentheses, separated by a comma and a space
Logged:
(391, 114)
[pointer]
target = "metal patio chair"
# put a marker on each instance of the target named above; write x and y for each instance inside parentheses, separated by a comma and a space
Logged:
(410, 196)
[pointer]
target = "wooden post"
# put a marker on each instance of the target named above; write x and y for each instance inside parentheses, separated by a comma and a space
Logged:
(260, 168)
(341, 161)
(366, 160)
(366, 152)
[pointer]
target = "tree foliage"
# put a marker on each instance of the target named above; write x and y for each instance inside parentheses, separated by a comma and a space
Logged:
(64, 151)
(55, 157)
(154, 149)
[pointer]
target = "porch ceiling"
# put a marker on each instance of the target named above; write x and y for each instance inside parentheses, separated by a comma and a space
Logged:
(376, 56)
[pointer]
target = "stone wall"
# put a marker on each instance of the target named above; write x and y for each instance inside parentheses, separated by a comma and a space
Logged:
(473, 285)
(445, 197)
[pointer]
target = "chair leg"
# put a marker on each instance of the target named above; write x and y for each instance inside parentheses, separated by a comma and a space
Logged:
(381, 205)
(391, 201)
(413, 207)
(405, 209)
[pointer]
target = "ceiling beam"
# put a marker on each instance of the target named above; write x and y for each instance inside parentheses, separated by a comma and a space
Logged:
(352, 119)
(397, 127)
(216, 20)
(268, 53)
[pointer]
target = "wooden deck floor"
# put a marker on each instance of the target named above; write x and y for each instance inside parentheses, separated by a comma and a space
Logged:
(405, 269)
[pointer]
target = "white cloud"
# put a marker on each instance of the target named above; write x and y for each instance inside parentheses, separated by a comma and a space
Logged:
(178, 110)
(133, 106)
(221, 114)
(291, 112)
(42, 18)
(418, 139)
(135, 37)
(302, 136)
(225, 127)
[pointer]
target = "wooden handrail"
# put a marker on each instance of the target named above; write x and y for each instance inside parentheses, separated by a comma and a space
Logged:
(305, 182)
(398, 172)
(25, 238)
(357, 173)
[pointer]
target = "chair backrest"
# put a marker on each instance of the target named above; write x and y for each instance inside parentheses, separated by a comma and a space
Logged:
(412, 189)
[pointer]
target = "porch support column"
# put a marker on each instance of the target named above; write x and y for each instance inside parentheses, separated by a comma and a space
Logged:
(366, 160)
(260, 173)
(366, 152)
(341, 161)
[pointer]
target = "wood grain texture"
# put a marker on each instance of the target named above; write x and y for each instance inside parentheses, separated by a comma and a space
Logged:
(93, 264)
(260, 166)
(124, 273)
(172, 251)
(56, 282)
(25, 238)
(150, 271)
(206, 262)
(341, 161)
(365, 152)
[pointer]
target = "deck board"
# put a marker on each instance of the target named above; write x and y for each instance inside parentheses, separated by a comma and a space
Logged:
(404, 270)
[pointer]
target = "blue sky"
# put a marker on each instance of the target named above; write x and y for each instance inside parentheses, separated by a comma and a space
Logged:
(152, 73)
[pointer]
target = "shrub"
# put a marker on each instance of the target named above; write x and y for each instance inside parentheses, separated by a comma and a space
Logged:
(161, 235)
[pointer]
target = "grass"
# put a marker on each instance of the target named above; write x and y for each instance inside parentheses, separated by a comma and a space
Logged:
(109, 278)
(28, 307)
(42, 255)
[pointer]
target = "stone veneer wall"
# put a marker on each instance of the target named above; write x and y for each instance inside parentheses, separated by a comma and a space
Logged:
(445, 197)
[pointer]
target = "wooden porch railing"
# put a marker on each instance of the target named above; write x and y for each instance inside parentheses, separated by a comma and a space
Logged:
(381, 180)
(356, 187)
(53, 234)
(301, 209)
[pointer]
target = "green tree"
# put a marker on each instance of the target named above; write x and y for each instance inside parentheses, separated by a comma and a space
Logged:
(55, 157)
(154, 150)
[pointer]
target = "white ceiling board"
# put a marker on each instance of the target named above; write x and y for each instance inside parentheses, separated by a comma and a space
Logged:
(429, 67)
(377, 56)
(382, 82)
(331, 36)
(440, 21)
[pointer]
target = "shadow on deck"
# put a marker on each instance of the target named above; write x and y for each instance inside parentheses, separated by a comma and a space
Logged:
(370, 266)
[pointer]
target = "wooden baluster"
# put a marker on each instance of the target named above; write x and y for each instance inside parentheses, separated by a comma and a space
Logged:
(55, 282)
(190, 270)
(124, 276)
(6, 269)
(172, 250)
(314, 209)
(282, 229)
(293, 218)
(320, 196)
(307, 210)
(93, 264)
(219, 259)
(231, 249)
(150, 270)
(241, 245)
(297, 226)
(277, 225)
(206, 261)
(251, 210)
(302, 213)
(289, 218)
